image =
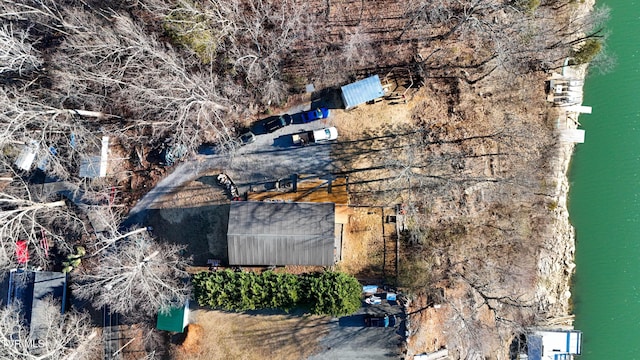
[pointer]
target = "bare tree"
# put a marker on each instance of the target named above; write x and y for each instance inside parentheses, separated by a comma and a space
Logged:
(61, 137)
(253, 37)
(134, 273)
(56, 337)
(42, 221)
(144, 80)
(17, 54)
(357, 51)
(108, 64)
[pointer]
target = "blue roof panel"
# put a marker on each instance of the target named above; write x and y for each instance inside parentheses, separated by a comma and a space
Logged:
(362, 91)
(534, 347)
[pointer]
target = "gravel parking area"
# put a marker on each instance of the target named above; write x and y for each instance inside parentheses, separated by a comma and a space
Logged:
(349, 339)
(271, 157)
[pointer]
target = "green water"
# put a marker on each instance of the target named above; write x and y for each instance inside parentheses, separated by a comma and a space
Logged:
(605, 199)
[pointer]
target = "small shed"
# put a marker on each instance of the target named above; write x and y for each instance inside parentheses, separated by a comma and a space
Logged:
(362, 91)
(554, 344)
(96, 166)
(27, 155)
(90, 167)
(175, 320)
(281, 233)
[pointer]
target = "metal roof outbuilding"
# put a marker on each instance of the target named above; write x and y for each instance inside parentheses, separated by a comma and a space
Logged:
(362, 91)
(175, 320)
(30, 289)
(554, 344)
(279, 233)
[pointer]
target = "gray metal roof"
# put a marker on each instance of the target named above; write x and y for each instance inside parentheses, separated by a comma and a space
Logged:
(362, 91)
(31, 289)
(281, 233)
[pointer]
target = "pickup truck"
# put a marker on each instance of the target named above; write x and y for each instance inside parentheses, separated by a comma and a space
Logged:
(315, 136)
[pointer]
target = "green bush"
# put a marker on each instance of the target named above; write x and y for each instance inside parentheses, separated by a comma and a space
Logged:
(193, 32)
(588, 51)
(241, 291)
(528, 5)
(326, 293)
(331, 293)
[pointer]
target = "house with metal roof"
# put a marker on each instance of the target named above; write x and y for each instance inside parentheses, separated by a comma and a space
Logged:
(362, 91)
(553, 345)
(31, 289)
(281, 233)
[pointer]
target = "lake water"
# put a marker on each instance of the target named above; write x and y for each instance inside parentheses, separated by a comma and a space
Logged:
(605, 199)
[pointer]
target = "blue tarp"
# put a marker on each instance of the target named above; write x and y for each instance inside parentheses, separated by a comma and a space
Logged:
(370, 289)
(362, 91)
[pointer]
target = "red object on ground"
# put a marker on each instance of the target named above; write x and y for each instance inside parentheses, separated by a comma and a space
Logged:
(44, 243)
(22, 252)
(112, 196)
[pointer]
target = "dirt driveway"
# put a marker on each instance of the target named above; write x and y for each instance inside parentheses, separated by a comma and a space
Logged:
(269, 158)
(348, 339)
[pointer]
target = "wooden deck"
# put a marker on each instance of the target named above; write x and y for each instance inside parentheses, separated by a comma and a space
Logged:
(312, 190)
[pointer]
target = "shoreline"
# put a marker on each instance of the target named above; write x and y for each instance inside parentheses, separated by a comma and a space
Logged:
(556, 261)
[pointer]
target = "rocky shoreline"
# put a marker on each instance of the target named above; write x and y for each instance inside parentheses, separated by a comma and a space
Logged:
(556, 261)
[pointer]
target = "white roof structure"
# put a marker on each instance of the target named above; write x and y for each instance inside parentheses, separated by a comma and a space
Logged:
(554, 345)
(436, 355)
(27, 155)
(362, 91)
(579, 108)
(96, 166)
(572, 136)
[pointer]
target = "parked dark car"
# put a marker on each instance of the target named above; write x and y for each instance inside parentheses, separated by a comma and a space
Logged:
(382, 320)
(319, 113)
(247, 138)
(278, 123)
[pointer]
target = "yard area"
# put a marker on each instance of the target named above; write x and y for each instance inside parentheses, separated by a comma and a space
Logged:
(251, 336)
(259, 335)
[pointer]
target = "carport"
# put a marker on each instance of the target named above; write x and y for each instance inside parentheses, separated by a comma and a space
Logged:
(362, 91)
